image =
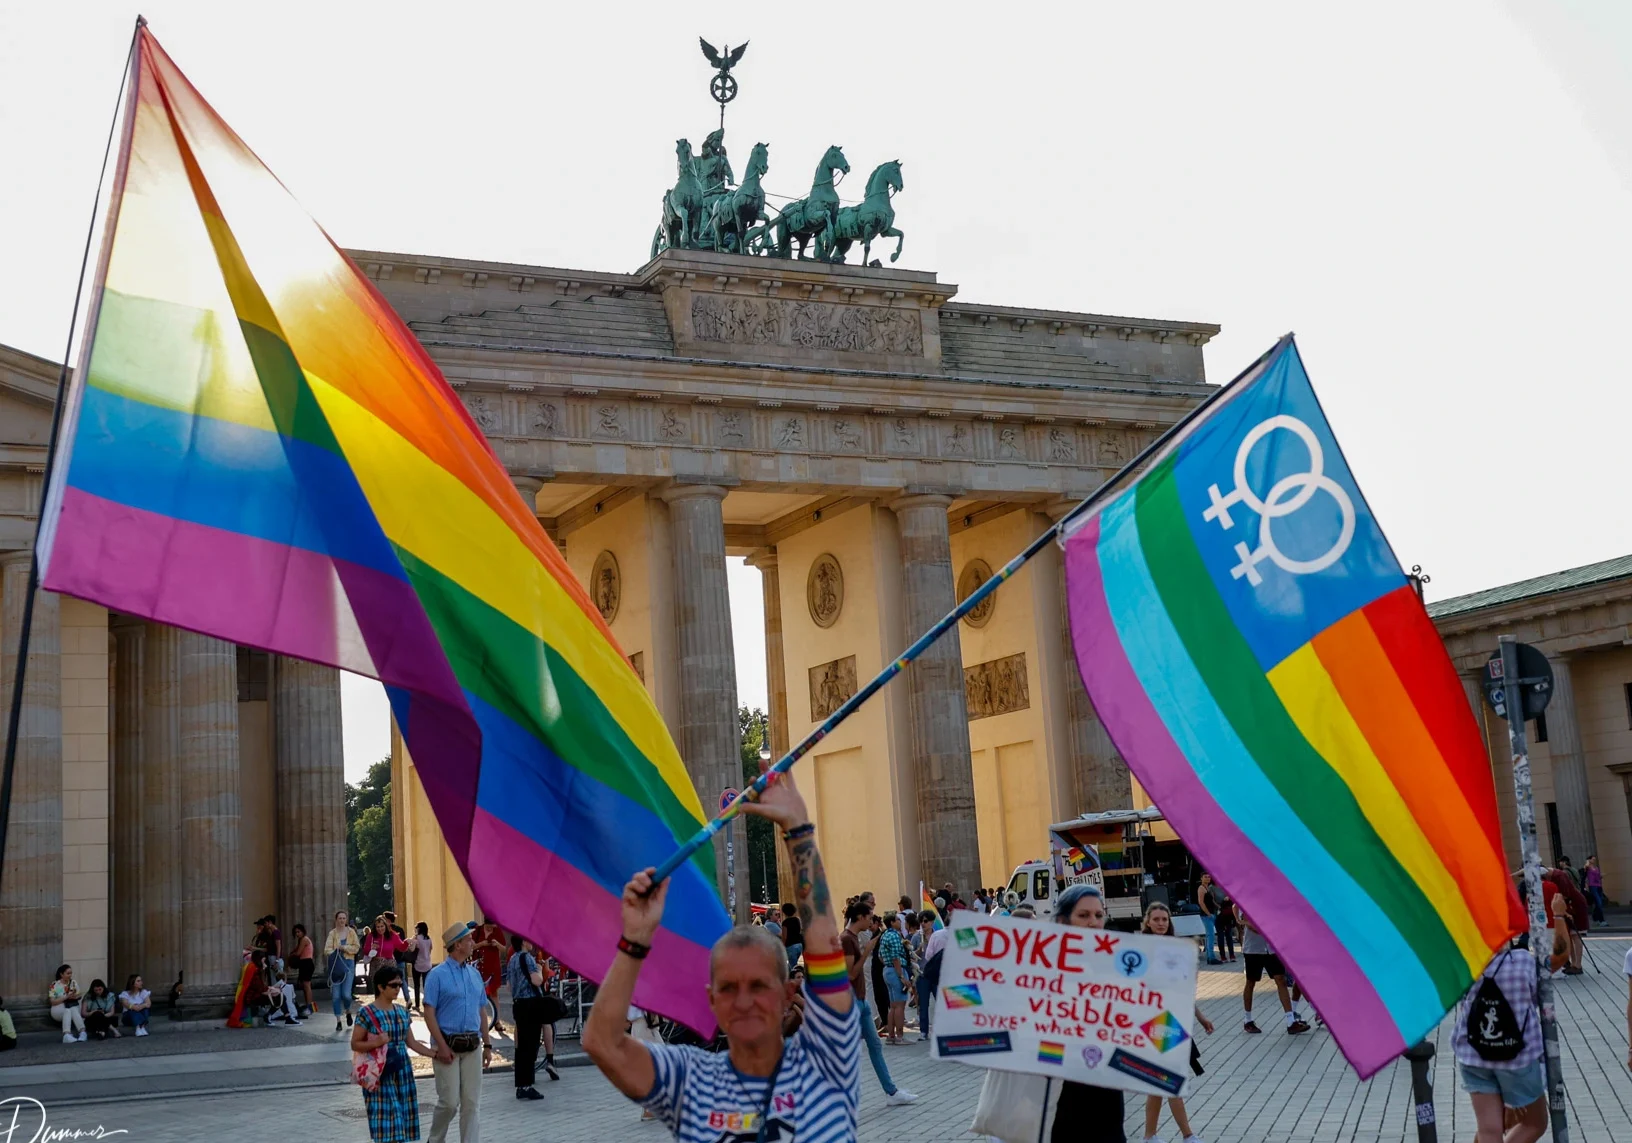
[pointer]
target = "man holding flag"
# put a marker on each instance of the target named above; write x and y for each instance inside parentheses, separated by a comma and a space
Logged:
(807, 1087)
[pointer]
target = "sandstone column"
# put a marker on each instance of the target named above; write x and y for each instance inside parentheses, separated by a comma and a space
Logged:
(1570, 787)
(213, 924)
(1102, 780)
(708, 733)
(129, 704)
(1099, 778)
(776, 689)
(31, 893)
(528, 484)
(310, 776)
(949, 849)
(162, 855)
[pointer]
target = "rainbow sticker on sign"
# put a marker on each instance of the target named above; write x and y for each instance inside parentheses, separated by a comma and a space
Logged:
(961, 995)
(1164, 1032)
(1050, 1052)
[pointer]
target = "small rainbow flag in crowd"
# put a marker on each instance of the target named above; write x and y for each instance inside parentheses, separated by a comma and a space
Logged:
(1261, 660)
(1051, 1052)
(926, 904)
(255, 448)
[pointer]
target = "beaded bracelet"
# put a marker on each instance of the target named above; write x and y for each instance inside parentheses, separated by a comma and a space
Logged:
(799, 831)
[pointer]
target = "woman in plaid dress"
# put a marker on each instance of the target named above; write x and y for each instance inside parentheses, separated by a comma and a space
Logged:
(393, 1107)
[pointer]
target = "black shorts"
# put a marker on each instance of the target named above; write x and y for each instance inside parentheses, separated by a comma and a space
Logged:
(1259, 964)
(305, 967)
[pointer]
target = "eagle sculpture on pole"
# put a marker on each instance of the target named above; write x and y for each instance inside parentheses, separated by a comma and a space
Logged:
(723, 87)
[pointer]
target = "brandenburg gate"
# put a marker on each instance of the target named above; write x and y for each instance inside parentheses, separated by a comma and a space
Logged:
(875, 448)
(872, 445)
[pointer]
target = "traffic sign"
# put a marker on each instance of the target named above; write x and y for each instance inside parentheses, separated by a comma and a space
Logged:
(728, 796)
(1535, 682)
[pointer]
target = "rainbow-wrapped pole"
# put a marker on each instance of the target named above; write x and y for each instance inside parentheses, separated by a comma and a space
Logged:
(924, 641)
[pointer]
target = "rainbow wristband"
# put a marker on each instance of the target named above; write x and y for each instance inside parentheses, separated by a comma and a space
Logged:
(825, 974)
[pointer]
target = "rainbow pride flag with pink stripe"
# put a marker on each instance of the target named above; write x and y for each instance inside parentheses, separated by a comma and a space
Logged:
(1262, 662)
(256, 448)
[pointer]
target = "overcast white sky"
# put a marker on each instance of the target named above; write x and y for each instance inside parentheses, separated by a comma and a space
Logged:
(1436, 197)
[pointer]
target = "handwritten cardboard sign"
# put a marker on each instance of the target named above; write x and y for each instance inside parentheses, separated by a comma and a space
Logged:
(1105, 1008)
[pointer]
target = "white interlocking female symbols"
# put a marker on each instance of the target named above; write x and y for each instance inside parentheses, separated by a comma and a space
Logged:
(1286, 496)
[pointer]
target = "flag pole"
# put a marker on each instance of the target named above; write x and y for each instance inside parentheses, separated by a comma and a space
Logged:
(948, 621)
(25, 628)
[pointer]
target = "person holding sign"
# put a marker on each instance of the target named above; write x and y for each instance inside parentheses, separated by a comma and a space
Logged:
(768, 1085)
(1084, 1113)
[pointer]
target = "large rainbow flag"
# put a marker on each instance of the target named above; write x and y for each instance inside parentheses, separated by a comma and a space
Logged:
(1260, 659)
(256, 448)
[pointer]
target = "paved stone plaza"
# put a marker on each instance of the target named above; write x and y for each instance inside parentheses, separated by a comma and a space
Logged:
(1272, 1088)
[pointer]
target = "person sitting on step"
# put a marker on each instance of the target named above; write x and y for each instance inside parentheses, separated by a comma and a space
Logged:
(137, 1003)
(101, 1011)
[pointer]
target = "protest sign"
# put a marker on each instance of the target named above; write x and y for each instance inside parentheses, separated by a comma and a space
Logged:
(1100, 1007)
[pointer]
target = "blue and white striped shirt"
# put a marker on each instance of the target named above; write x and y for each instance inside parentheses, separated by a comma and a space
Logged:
(703, 1099)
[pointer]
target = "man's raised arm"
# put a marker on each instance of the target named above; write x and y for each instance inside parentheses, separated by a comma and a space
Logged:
(824, 956)
(624, 1059)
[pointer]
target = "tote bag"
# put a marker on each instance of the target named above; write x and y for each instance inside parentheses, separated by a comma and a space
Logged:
(1015, 1106)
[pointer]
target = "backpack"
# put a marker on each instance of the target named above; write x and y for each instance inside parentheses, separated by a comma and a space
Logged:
(1493, 1031)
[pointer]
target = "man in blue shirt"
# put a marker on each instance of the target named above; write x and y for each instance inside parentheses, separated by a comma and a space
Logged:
(456, 1017)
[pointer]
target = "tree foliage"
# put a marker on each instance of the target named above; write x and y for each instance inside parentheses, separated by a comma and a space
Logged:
(368, 843)
(755, 730)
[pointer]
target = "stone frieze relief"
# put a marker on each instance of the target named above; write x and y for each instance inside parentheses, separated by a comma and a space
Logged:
(737, 320)
(996, 687)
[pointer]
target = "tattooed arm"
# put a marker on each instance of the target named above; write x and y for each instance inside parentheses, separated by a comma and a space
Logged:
(783, 805)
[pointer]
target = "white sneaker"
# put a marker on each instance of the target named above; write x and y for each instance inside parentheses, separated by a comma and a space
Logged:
(901, 1098)
(1153, 1139)
(141, 1030)
(69, 1038)
(82, 1037)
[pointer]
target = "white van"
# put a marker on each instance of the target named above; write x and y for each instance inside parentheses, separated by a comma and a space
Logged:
(1118, 845)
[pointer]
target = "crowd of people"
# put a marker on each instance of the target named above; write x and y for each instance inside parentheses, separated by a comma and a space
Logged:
(798, 995)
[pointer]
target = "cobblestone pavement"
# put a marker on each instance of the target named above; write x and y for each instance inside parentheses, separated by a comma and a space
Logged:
(1271, 1088)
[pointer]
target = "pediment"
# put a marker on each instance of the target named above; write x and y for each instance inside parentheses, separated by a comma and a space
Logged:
(28, 386)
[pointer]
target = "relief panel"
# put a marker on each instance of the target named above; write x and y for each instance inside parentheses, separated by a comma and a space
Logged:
(737, 320)
(996, 687)
(831, 684)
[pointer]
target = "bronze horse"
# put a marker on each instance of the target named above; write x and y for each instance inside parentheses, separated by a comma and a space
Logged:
(682, 206)
(737, 212)
(874, 218)
(813, 216)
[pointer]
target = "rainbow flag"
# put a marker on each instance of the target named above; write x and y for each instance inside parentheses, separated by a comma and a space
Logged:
(255, 448)
(926, 904)
(1259, 658)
